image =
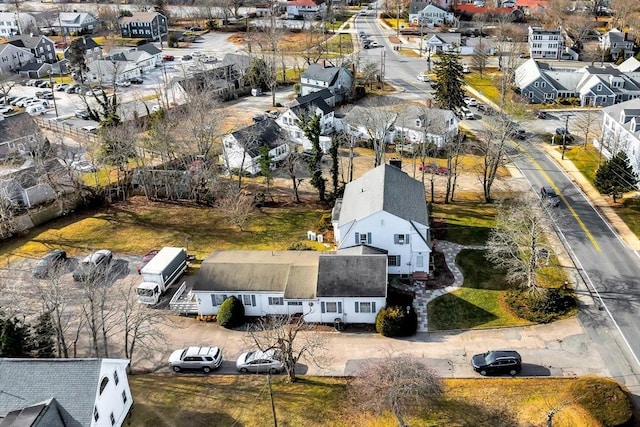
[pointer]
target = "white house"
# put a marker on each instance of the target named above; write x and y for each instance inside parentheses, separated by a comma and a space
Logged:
(105, 71)
(12, 57)
(338, 80)
(621, 131)
(73, 23)
(241, 149)
(290, 121)
(367, 123)
(416, 125)
(12, 24)
(69, 392)
(619, 44)
(324, 287)
(443, 42)
(433, 15)
(386, 209)
(546, 43)
(307, 9)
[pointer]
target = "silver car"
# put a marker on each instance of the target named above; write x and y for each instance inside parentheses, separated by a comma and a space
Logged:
(260, 362)
(196, 358)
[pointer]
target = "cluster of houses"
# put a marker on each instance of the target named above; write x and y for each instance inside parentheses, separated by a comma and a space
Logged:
(381, 230)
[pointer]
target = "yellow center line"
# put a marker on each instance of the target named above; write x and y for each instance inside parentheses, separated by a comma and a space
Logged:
(559, 193)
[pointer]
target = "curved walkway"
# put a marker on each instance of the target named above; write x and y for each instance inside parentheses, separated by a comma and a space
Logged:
(423, 295)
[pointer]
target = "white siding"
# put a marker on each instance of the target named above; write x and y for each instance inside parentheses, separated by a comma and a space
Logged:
(347, 312)
(111, 400)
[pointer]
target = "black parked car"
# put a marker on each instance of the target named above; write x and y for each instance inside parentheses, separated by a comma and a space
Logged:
(497, 362)
(549, 195)
(49, 263)
(564, 133)
(136, 81)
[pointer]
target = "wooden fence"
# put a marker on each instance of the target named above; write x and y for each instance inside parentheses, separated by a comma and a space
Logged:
(66, 129)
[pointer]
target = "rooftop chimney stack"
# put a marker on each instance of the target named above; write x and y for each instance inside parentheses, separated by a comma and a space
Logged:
(396, 163)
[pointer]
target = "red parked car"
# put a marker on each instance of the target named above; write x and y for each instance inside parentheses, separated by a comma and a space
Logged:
(145, 259)
(168, 58)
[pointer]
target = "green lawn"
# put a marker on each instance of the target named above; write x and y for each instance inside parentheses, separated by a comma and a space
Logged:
(467, 222)
(340, 43)
(478, 303)
(243, 400)
(139, 226)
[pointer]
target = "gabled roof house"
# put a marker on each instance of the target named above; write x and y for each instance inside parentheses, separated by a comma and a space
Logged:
(41, 47)
(416, 125)
(73, 23)
(619, 44)
(621, 131)
(338, 80)
(241, 149)
(64, 392)
(292, 118)
(386, 209)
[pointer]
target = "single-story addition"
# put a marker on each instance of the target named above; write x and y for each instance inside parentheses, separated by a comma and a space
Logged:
(323, 287)
(241, 149)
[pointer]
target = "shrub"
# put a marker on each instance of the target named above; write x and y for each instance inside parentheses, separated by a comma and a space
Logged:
(231, 313)
(299, 246)
(543, 307)
(604, 399)
(396, 322)
(324, 223)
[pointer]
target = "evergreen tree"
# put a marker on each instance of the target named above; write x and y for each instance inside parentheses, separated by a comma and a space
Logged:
(44, 335)
(449, 80)
(311, 129)
(15, 338)
(335, 166)
(265, 163)
(616, 176)
(75, 55)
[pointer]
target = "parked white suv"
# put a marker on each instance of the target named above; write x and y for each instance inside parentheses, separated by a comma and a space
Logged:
(200, 358)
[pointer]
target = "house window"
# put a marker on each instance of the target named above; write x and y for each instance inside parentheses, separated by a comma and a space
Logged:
(103, 384)
(113, 419)
(599, 88)
(294, 303)
(363, 238)
(276, 301)
(124, 396)
(249, 300)
(401, 239)
(115, 377)
(420, 261)
(331, 307)
(217, 299)
(365, 307)
(96, 416)
(543, 84)
(536, 84)
(393, 260)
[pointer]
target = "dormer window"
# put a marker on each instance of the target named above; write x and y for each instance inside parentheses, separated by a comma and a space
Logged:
(418, 123)
(599, 88)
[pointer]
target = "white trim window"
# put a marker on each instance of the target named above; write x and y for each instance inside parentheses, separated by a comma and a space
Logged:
(331, 307)
(363, 238)
(365, 307)
(217, 299)
(276, 301)
(401, 239)
(294, 303)
(247, 300)
(393, 261)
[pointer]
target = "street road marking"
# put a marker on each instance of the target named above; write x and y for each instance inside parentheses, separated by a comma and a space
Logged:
(573, 212)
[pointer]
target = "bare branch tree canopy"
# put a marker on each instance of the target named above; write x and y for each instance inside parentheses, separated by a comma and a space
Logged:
(401, 384)
(291, 337)
(517, 244)
(237, 205)
(493, 143)
(376, 119)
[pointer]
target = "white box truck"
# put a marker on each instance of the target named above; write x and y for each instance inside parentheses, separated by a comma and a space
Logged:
(160, 273)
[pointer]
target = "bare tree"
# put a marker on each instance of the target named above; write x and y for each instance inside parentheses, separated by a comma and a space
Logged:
(98, 310)
(493, 143)
(294, 165)
(587, 123)
(517, 244)
(237, 205)
(453, 150)
(622, 10)
(291, 337)
(401, 384)
(377, 121)
(7, 82)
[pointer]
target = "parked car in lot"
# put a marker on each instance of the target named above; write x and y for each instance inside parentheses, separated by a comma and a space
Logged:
(93, 266)
(471, 102)
(91, 129)
(6, 110)
(466, 113)
(259, 362)
(434, 168)
(146, 258)
(44, 94)
(124, 83)
(518, 133)
(542, 114)
(50, 263)
(136, 81)
(497, 362)
(34, 82)
(196, 358)
(549, 195)
(187, 57)
(168, 58)
(82, 114)
(197, 54)
(72, 88)
(564, 133)
(83, 166)
(423, 77)
(35, 110)
(43, 83)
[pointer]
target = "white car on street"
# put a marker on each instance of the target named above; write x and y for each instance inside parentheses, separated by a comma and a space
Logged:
(471, 102)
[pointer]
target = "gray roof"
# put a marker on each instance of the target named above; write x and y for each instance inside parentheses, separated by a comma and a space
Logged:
(322, 74)
(44, 414)
(385, 188)
(149, 48)
(417, 6)
(352, 276)
(293, 272)
(267, 132)
(437, 117)
(630, 108)
(361, 250)
(309, 106)
(73, 382)
(26, 41)
(323, 94)
(242, 62)
(17, 126)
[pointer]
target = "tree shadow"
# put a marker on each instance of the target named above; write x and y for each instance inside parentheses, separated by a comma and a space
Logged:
(451, 312)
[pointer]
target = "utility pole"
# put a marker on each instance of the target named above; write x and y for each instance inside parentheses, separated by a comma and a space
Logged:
(382, 69)
(398, 20)
(55, 106)
(420, 23)
(564, 135)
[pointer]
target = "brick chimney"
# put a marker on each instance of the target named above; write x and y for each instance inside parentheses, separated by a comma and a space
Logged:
(396, 163)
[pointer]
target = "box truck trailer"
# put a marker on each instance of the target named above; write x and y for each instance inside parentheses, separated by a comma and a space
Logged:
(160, 273)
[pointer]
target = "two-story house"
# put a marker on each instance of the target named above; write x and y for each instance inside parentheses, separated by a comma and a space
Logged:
(241, 149)
(386, 209)
(144, 25)
(108, 71)
(430, 15)
(12, 24)
(442, 42)
(416, 125)
(73, 24)
(338, 80)
(618, 44)
(13, 57)
(145, 57)
(546, 43)
(64, 392)
(621, 131)
(41, 47)
(292, 118)
(90, 49)
(323, 287)
(305, 9)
